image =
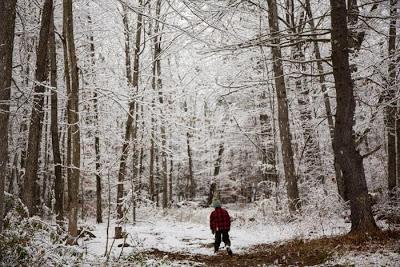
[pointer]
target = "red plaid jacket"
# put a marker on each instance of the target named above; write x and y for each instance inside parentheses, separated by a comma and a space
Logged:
(220, 220)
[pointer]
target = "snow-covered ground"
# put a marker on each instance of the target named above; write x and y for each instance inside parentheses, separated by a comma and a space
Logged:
(187, 231)
(365, 259)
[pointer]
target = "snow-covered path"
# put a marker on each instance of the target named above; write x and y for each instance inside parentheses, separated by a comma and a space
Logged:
(187, 235)
(183, 237)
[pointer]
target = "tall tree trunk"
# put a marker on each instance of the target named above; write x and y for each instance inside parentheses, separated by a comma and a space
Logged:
(217, 166)
(133, 81)
(151, 165)
(283, 110)
(391, 108)
(327, 104)
(7, 25)
(190, 186)
(68, 135)
(73, 114)
(59, 181)
(44, 169)
(99, 217)
(157, 58)
(344, 145)
(31, 189)
(171, 172)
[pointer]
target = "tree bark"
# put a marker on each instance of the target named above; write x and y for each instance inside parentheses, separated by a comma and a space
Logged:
(190, 186)
(133, 81)
(7, 26)
(217, 166)
(73, 114)
(171, 172)
(344, 145)
(327, 103)
(99, 211)
(391, 102)
(283, 110)
(59, 181)
(157, 56)
(67, 136)
(31, 187)
(338, 172)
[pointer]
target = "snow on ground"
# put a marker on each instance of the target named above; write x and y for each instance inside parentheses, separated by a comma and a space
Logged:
(380, 258)
(187, 231)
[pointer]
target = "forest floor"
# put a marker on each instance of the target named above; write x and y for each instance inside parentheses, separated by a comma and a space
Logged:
(381, 249)
(183, 238)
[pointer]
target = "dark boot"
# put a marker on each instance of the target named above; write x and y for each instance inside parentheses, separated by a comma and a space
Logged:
(229, 250)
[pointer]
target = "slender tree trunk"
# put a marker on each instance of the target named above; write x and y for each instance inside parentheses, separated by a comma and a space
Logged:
(44, 170)
(151, 165)
(134, 82)
(7, 25)
(391, 108)
(73, 114)
(59, 181)
(99, 211)
(171, 172)
(128, 131)
(217, 166)
(31, 187)
(327, 104)
(68, 135)
(190, 187)
(283, 110)
(157, 58)
(344, 145)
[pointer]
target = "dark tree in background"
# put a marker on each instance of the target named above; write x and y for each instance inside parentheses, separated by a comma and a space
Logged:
(55, 138)
(73, 149)
(344, 145)
(391, 102)
(7, 25)
(31, 190)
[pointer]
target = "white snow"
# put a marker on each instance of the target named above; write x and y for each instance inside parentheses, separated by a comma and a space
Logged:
(380, 258)
(188, 232)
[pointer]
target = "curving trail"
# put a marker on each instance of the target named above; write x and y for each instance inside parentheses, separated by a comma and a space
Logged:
(328, 251)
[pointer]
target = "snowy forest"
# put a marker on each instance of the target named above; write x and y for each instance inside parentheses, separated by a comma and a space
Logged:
(125, 123)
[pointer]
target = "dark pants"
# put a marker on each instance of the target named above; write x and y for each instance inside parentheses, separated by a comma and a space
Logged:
(225, 238)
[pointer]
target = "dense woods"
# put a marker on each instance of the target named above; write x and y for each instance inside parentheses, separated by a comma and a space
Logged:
(109, 107)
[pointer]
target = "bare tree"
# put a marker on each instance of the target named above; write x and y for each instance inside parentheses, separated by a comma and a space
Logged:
(134, 82)
(73, 115)
(344, 145)
(99, 218)
(157, 58)
(283, 111)
(391, 108)
(7, 25)
(59, 181)
(31, 188)
(190, 186)
(327, 103)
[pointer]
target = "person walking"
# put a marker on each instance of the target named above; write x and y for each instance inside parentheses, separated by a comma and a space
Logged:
(220, 224)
